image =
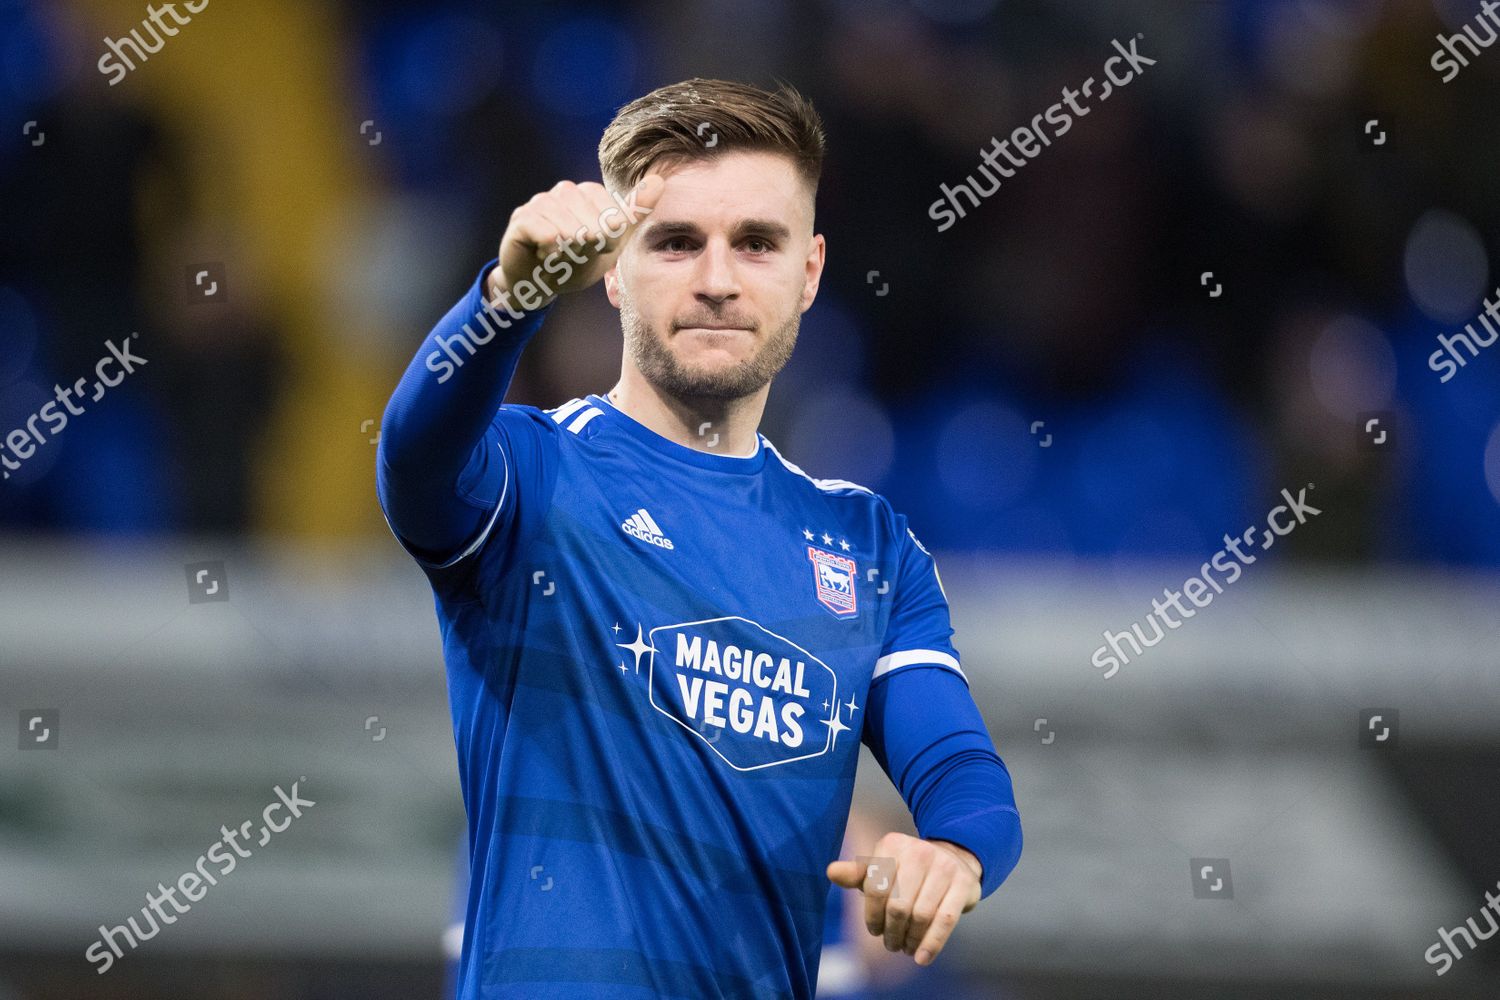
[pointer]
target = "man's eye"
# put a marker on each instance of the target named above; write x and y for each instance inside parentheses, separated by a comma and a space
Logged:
(758, 245)
(676, 244)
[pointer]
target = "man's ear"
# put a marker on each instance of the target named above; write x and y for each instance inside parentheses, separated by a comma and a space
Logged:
(814, 271)
(612, 286)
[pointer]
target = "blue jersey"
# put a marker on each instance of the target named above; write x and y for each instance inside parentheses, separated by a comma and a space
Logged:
(661, 662)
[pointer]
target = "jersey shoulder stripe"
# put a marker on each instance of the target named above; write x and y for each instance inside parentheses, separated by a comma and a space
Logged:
(826, 485)
(566, 410)
(575, 414)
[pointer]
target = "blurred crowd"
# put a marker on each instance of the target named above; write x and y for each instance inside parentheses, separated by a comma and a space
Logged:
(1203, 293)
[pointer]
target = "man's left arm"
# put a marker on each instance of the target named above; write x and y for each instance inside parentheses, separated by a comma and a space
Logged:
(924, 729)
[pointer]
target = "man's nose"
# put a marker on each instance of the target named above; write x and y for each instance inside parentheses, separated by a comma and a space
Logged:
(718, 280)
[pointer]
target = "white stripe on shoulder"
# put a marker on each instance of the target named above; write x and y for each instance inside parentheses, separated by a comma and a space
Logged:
(936, 575)
(563, 412)
(581, 421)
(826, 485)
(910, 657)
(918, 543)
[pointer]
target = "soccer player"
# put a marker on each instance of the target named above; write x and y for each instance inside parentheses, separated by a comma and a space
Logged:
(663, 639)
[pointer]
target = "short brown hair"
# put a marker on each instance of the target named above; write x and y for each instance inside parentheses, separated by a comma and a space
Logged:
(677, 123)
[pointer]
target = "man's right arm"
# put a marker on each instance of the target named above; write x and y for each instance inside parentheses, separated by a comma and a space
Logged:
(443, 466)
(445, 461)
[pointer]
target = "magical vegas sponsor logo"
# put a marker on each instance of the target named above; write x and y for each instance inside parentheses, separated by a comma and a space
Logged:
(761, 696)
(707, 700)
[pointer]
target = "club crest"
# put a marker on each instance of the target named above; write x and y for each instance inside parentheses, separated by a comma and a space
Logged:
(833, 575)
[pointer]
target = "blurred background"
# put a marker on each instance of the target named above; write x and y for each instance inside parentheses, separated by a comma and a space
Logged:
(1226, 280)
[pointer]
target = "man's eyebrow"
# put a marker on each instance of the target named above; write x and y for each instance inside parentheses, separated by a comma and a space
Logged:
(664, 230)
(765, 228)
(762, 227)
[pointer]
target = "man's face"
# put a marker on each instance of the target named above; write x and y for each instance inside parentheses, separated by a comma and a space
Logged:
(712, 286)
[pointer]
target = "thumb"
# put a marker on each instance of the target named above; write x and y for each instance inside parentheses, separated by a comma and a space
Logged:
(637, 203)
(848, 874)
(647, 192)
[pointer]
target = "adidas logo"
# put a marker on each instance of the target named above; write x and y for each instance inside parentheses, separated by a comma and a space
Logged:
(643, 526)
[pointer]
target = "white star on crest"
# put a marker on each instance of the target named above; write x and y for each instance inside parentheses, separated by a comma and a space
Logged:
(807, 534)
(638, 647)
(827, 538)
(843, 544)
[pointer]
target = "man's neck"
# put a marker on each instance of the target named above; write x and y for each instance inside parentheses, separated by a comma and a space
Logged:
(716, 426)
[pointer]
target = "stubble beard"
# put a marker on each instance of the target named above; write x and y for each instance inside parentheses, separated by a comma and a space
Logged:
(660, 367)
